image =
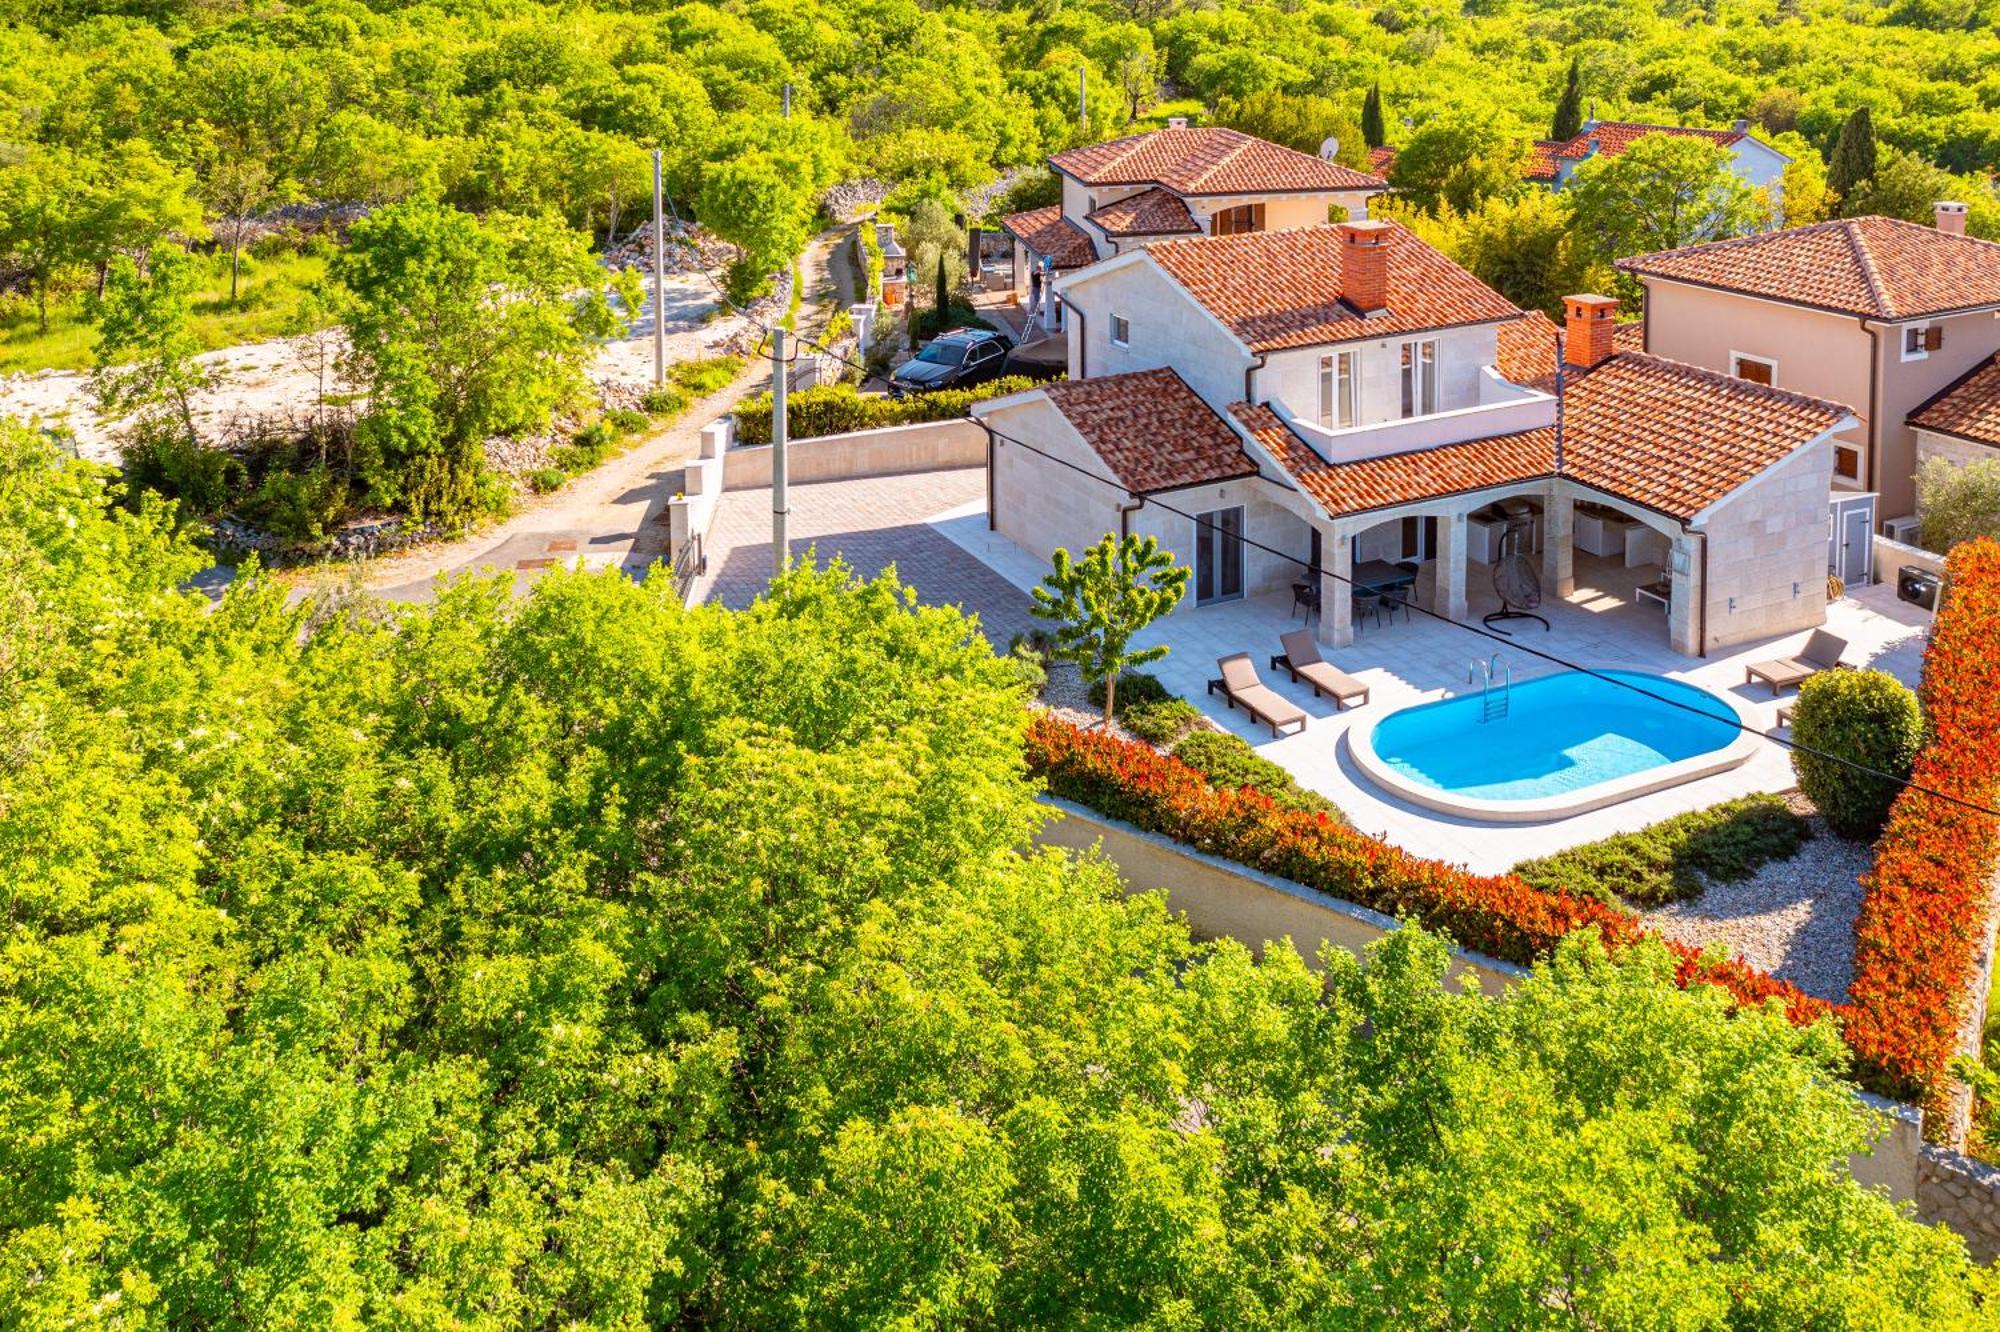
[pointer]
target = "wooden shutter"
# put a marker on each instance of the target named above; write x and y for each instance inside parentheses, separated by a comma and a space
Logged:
(1933, 339)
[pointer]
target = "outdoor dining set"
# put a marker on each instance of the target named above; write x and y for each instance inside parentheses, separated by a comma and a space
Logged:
(1379, 590)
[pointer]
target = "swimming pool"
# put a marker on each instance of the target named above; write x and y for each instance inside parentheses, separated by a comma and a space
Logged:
(1560, 744)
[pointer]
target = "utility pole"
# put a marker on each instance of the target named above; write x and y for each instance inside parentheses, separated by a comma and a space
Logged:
(788, 101)
(1083, 98)
(659, 281)
(781, 554)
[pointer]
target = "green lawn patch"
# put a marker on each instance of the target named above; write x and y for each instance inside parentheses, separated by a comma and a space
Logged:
(1676, 858)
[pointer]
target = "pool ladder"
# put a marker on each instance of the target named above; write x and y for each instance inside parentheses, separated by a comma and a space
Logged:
(1492, 706)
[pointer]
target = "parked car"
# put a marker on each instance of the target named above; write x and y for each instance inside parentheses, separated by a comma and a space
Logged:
(956, 359)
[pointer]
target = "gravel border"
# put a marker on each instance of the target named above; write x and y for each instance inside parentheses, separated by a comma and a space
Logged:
(1793, 918)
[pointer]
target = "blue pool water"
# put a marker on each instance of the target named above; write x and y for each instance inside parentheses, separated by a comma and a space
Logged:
(1561, 732)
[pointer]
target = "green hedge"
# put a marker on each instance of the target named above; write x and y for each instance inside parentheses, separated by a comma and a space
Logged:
(836, 409)
(1228, 762)
(1677, 857)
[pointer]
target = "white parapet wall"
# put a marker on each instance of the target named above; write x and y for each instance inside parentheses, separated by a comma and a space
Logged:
(690, 513)
(1891, 556)
(1222, 899)
(892, 451)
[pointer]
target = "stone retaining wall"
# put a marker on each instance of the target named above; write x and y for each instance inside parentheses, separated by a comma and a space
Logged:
(1962, 1193)
(892, 451)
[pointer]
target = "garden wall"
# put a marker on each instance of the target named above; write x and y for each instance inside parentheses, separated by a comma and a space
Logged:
(1222, 899)
(1962, 1193)
(891, 451)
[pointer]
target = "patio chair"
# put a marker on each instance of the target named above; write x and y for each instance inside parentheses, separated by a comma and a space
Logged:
(1239, 685)
(1363, 604)
(1822, 652)
(1302, 661)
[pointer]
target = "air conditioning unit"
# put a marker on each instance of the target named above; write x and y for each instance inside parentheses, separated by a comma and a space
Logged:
(1902, 529)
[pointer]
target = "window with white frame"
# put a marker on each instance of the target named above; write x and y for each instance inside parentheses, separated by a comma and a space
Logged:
(1121, 331)
(1339, 390)
(1920, 340)
(1753, 369)
(1419, 370)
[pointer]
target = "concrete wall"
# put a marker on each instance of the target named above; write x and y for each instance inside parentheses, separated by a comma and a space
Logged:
(1222, 899)
(1891, 556)
(929, 447)
(1767, 552)
(691, 513)
(1168, 329)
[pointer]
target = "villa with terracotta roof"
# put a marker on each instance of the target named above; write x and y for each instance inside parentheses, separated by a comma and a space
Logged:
(1344, 399)
(1894, 317)
(1168, 183)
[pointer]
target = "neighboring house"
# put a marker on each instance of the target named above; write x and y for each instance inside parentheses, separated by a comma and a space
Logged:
(1870, 310)
(1173, 182)
(1962, 423)
(1553, 162)
(1345, 398)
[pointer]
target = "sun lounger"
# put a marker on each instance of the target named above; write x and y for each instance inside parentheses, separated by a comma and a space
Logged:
(1302, 661)
(1821, 653)
(1240, 686)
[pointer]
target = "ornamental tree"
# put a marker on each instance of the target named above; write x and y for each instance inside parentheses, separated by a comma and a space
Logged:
(1957, 501)
(1852, 161)
(1099, 603)
(1568, 122)
(1848, 721)
(148, 363)
(1372, 131)
(1660, 194)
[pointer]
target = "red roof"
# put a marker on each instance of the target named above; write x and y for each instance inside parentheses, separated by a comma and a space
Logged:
(1400, 478)
(1208, 160)
(1150, 212)
(1381, 159)
(1615, 136)
(1277, 289)
(1542, 156)
(1047, 232)
(1968, 407)
(1876, 267)
(1152, 430)
(1672, 437)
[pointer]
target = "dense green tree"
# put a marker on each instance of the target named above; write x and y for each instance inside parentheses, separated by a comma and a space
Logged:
(459, 328)
(589, 961)
(51, 216)
(147, 354)
(1661, 193)
(1303, 122)
(755, 203)
(1852, 161)
(1526, 247)
(1568, 122)
(1459, 161)
(1373, 133)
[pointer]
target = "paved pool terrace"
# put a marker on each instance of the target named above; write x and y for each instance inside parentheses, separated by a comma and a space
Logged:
(932, 527)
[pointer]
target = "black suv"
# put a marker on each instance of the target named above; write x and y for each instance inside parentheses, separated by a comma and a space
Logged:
(957, 359)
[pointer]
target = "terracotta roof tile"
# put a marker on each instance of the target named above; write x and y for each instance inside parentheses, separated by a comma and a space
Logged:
(1878, 267)
(1207, 160)
(1150, 212)
(1528, 349)
(1152, 430)
(1381, 159)
(1672, 437)
(1615, 136)
(1277, 289)
(1400, 478)
(1677, 438)
(1047, 231)
(1542, 155)
(1969, 407)
(1629, 336)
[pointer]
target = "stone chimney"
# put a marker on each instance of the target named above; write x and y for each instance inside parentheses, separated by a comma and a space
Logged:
(1950, 217)
(1176, 122)
(1587, 325)
(1364, 265)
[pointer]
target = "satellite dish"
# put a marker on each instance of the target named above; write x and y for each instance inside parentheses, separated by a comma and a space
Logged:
(1328, 148)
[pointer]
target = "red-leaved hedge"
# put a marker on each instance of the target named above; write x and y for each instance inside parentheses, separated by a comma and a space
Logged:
(1499, 915)
(1924, 912)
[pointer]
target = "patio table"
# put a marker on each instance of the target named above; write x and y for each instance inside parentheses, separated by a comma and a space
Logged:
(1381, 576)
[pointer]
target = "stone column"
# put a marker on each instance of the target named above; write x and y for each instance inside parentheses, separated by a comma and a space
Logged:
(1336, 595)
(1451, 567)
(1558, 544)
(1683, 611)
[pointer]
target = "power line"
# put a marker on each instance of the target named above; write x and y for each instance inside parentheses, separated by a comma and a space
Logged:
(1480, 631)
(1504, 640)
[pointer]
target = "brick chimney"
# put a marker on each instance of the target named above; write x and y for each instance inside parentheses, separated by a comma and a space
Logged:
(1950, 217)
(1364, 265)
(1587, 325)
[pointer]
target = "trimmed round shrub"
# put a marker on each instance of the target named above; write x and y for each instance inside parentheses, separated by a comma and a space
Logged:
(1865, 717)
(1160, 724)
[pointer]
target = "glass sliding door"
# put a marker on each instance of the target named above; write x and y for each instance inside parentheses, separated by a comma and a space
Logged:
(1218, 555)
(1420, 377)
(1337, 391)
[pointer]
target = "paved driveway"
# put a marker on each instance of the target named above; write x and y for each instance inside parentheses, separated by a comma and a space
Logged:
(872, 523)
